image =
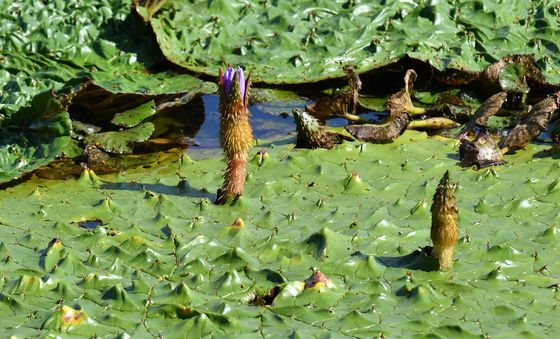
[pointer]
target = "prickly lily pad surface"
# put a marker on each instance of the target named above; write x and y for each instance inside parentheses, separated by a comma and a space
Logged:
(45, 45)
(147, 254)
(306, 41)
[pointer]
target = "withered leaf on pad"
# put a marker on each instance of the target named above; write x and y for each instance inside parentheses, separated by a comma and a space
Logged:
(533, 125)
(490, 77)
(380, 134)
(401, 101)
(481, 152)
(342, 105)
(399, 105)
(335, 106)
(488, 108)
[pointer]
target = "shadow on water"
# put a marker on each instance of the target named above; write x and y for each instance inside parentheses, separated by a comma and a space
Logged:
(182, 189)
(417, 260)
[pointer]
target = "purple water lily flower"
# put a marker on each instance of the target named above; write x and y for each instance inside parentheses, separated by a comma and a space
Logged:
(227, 77)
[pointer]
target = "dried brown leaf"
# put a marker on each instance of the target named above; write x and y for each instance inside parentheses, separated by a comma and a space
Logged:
(490, 77)
(533, 125)
(381, 134)
(488, 108)
(329, 107)
(401, 102)
(482, 152)
(341, 104)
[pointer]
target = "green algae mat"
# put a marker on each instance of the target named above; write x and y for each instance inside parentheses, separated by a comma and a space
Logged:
(145, 253)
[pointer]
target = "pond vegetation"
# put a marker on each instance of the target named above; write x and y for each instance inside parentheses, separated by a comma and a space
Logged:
(392, 169)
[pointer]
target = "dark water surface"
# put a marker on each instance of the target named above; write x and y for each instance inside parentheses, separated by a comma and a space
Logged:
(269, 121)
(266, 125)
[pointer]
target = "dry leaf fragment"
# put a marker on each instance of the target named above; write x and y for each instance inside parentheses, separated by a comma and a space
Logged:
(488, 108)
(481, 152)
(533, 125)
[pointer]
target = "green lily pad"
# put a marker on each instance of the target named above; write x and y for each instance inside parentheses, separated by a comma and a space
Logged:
(512, 79)
(62, 47)
(35, 137)
(134, 116)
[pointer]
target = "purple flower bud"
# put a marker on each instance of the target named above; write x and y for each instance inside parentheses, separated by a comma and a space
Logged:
(227, 80)
(241, 80)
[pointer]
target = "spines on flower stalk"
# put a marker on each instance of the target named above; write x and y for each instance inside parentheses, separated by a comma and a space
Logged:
(236, 136)
(444, 232)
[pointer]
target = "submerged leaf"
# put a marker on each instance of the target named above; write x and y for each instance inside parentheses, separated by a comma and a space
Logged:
(121, 141)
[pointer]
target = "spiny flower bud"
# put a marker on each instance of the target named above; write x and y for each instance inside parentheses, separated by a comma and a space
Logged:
(444, 232)
(236, 136)
(311, 134)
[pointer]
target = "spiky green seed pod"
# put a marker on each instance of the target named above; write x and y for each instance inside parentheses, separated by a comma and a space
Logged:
(444, 232)
(236, 135)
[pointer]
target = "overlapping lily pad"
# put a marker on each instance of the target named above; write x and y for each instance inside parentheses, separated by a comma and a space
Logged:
(161, 259)
(305, 41)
